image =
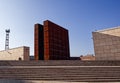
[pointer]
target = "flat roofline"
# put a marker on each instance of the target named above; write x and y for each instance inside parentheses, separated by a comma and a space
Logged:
(55, 24)
(15, 48)
(107, 29)
(38, 24)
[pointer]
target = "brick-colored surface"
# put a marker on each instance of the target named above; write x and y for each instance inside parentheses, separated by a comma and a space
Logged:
(56, 42)
(107, 44)
(38, 42)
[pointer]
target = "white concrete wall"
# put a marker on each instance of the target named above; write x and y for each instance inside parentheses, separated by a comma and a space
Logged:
(15, 54)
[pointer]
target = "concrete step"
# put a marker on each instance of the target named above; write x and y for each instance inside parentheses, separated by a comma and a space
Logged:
(64, 71)
(60, 63)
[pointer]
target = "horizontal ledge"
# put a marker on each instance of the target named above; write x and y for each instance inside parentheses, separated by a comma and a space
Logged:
(59, 66)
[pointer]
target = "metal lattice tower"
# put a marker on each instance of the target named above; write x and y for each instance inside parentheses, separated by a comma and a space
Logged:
(7, 39)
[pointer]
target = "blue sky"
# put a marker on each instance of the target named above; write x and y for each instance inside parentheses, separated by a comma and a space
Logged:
(80, 17)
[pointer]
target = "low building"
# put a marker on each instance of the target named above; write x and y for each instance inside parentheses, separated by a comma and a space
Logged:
(19, 53)
(74, 58)
(87, 57)
(32, 57)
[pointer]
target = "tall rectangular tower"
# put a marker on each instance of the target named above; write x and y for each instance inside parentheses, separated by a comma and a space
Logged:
(51, 42)
(56, 42)
(39, 42)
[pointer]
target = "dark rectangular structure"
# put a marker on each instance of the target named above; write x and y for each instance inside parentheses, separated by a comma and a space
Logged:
(51, 42)
(39, 42)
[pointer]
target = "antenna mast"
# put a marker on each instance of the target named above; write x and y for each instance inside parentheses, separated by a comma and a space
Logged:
(7, 39)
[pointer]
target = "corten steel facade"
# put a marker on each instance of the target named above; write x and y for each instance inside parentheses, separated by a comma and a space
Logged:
(107, 44)
(39, 42)
(54, 42)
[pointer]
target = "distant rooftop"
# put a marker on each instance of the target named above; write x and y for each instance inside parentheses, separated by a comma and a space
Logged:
(15, 48)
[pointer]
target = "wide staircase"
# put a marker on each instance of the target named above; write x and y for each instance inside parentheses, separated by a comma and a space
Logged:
(61, 70)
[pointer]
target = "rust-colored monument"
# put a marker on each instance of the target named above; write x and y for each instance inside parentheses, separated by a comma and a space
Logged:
(51, 42)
